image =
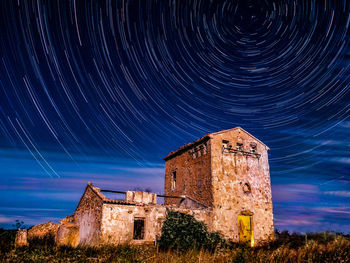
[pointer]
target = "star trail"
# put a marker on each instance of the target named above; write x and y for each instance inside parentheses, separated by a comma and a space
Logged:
(102, 90)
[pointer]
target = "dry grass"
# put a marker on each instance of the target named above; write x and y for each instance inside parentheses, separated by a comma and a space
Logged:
(287, 248)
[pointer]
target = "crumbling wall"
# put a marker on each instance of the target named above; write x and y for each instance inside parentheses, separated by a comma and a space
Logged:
(68, 232)
(42, 230)
(21, 238)
(118, 221)
(231, 172)
(141, 197)
(38, 231)
(88, 216)
(192, 168)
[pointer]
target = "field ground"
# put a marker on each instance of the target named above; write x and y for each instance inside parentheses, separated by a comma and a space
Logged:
(320, 247)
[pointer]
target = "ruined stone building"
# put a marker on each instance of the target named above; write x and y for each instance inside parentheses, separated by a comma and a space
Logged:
(221, 179)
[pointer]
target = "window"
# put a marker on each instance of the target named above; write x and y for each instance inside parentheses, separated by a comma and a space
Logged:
(204, 148)
(200, 187)
(246, 188)
(224, 145)
(192, 153)
(173, 180)
(201, 149)
(239, 146)
(139, 228)
(253, 148)
(198, 151)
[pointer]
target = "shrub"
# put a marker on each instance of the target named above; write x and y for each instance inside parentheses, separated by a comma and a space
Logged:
(183, 232)
(47, 241)
(7, 240)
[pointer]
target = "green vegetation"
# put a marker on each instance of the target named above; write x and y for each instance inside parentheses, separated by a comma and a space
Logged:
(320, 247)
(183, 232)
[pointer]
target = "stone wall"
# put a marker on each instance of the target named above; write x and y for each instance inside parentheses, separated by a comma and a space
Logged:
(88, 216)
(42, 230)
(241, 185)
(118, 221)
(36, 232)
(192, 166)
(21, 238)
(141, 197)
(68, 232)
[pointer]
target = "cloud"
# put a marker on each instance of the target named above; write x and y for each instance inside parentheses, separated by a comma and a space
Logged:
(338, 193)
(56, 196)
(345, 124)
(30, 209)
(342, 160)
(297, 219)
(334, 210)
(4, 219)
(294, 192)
(295, 222)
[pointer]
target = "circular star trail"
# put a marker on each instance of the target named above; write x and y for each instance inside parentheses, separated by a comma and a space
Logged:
(140, 78)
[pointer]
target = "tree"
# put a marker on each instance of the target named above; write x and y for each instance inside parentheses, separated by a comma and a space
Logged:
(19, 224)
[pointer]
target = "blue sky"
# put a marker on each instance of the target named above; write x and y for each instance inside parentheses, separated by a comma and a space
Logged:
(30, 194)
(101, 90)
(304, 199)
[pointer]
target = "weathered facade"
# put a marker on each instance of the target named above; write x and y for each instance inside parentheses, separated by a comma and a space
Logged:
(229, 172)
(137, 219)
(221, 179)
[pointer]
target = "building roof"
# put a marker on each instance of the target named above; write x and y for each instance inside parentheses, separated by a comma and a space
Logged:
(187, 146)
(204, 138)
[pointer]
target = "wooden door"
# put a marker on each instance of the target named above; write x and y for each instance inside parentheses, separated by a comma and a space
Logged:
(245, 229)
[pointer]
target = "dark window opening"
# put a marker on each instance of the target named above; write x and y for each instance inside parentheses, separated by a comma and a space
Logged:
(224, 144)
(173, 180)
(198, 152)
(239, 146)
(200, 187)
(246, 188)
(139, 228)
(253, 148)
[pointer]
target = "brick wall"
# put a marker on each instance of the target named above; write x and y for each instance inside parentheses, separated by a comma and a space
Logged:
(192, 174)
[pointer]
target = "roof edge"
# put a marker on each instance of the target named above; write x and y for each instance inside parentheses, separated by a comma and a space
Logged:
(208, 136)
(238, 127)
(195, 200)
(186, 146)
(105, 199)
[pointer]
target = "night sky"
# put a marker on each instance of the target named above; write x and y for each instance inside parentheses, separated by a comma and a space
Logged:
(101, 90)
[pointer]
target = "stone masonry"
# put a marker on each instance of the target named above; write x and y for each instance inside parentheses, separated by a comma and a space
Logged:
(222, 179)
(229, 172)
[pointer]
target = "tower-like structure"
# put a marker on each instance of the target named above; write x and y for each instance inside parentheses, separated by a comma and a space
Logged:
(227, 171)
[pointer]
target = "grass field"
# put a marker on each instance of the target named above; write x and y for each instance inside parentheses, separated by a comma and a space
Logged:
(320, 247)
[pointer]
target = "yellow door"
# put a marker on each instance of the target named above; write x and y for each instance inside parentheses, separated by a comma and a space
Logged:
(245, 229)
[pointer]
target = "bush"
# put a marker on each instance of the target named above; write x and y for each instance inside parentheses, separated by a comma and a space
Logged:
(7, 240)
(47, 241)
(296, 240)
(183, 232)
